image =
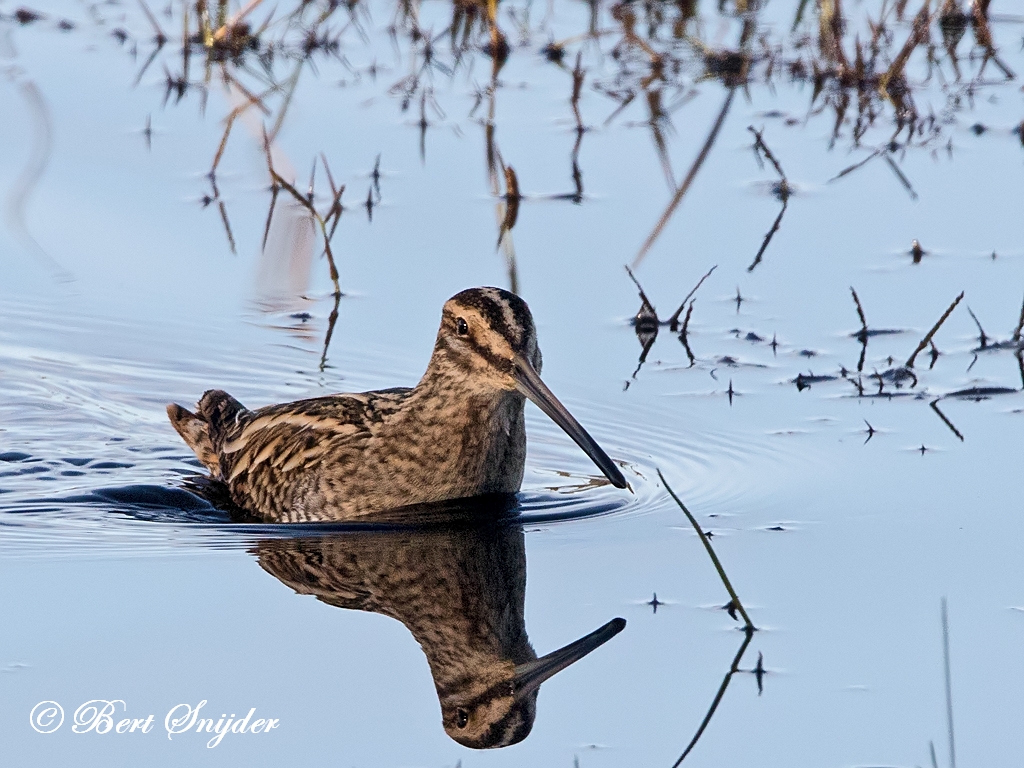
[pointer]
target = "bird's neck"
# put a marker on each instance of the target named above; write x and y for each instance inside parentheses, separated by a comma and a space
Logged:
(467, 435)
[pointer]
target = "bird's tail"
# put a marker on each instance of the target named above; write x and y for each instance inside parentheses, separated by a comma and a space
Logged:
(204, 430)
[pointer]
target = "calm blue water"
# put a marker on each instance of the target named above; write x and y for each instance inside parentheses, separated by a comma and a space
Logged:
(840, 549)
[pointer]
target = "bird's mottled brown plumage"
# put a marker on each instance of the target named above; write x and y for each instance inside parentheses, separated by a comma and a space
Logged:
(461, 593)
(458, 433)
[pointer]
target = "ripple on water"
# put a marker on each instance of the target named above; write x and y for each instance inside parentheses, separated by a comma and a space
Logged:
(90, 513)
(90, 463)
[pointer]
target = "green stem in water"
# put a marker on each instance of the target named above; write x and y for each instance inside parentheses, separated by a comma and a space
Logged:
(714, 558)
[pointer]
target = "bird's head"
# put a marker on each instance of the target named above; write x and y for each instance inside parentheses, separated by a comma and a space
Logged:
(498, 709)
(488, 337)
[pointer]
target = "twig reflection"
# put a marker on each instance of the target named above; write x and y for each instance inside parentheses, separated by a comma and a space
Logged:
(646, 322)
(781, 190)
(734, 667)
(733, 606)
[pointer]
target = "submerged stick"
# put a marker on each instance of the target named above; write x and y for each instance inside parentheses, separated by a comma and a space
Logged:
(749, 627)
(928, 336)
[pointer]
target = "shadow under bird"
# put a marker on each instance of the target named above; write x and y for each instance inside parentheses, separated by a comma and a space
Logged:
(458, 433)
(461, 592)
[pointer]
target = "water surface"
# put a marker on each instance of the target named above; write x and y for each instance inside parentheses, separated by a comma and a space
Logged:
(843, 511)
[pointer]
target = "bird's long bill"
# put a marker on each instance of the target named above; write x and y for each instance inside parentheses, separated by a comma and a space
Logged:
(529, 383)
(530, 675)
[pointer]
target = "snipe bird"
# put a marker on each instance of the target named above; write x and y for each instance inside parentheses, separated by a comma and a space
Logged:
(458, 433)
(461, 592)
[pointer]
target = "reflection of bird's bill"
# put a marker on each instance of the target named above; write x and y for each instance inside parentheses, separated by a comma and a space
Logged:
(529, 383)
(530, 675)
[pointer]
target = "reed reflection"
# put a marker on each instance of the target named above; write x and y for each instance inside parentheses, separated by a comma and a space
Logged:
(458, 583)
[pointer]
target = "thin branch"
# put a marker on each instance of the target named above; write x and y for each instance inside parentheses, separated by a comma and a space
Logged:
(684, 335)
(749, 626)
(643, 296)
(675, 317)
(983, 337)
(1020, 325)
(928, 336)
(227, 225)
(899, 175)
(855, 166)
(229, 123)
(860, 313)
(783, 192)
(935, 407)
(759, 144)
(768, 237)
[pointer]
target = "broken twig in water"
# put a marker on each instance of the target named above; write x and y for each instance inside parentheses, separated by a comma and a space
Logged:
(782, 190)
(928, 336)
(982, 336)
(935, 407)
(672, 321)
(770, 234)
(862, 335)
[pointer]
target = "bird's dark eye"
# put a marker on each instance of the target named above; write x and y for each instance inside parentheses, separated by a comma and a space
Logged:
(461, 715)
(461, 326)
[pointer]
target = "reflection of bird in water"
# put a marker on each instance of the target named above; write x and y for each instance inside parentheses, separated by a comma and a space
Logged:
(461, 592)
(457, 433)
